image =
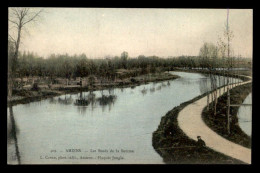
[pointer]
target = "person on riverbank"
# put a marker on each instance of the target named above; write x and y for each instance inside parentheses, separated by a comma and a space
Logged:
(200, 143)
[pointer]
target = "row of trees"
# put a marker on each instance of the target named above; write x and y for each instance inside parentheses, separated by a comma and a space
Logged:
(66, 66)
(221, 55)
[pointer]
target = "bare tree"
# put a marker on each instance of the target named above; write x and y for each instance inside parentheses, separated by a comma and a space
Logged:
(228, 35)
(209, 53)
(124, 56)
(18, 18)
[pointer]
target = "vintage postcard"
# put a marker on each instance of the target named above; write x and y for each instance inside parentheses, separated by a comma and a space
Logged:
(129, 86)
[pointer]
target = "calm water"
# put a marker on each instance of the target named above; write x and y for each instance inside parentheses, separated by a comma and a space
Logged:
(40, 131)
(245, 116)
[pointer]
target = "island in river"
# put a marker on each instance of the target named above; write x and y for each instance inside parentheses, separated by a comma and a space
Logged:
(29, 92)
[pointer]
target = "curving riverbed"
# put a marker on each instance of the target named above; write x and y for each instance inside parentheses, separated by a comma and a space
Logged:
(40, 132)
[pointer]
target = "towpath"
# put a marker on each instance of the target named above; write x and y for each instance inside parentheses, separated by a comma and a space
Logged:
(190, 121)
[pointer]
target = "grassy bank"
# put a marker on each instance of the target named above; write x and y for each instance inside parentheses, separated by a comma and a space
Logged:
(176, 148)
(218, 123)
(24, 96)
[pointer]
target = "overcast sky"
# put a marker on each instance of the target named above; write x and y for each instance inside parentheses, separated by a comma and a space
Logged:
(99, 32)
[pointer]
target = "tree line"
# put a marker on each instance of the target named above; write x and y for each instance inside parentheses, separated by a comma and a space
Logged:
(67, 66)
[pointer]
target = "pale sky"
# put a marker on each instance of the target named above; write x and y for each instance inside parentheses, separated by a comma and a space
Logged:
(99, 32)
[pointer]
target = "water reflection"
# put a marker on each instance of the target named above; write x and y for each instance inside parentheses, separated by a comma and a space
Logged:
(204, 85)
(105, 100)
(12, 131)
(144, 91)
(152, 90)
(83, 102)
(66, 100)
(155, 86)
(82, 109)
(92, 98)
(189, 82)
(163, 84)
(245, 116)
(52, 100)
(111, 90)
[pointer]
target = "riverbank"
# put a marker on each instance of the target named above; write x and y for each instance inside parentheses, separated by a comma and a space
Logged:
(176, 147)
(218, 123)
(172, 144)
(30, 95)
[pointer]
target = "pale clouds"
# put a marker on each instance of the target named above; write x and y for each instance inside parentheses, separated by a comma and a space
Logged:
(162, 32)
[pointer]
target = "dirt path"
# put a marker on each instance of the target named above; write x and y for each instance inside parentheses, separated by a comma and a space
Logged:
(190, 121)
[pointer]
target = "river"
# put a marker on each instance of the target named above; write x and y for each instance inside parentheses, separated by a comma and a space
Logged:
(245, 116)
(118, 130)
